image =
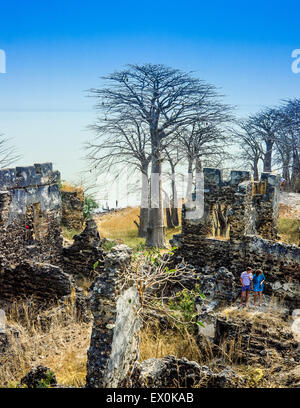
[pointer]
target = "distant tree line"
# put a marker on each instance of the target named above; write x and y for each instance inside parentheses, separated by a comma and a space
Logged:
(272, 137)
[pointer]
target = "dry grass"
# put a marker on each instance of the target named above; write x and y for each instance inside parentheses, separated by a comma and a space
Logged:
(288, 229)
(119, 225)
(157, 344)
(270, 315)
(71, 188)
(63, 347)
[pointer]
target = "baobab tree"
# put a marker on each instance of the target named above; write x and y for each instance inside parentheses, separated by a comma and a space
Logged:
(203, 144)
(166, 99)
(118, 142)
(266, 125)
(251, 149)
(173, 156)
(290, 135)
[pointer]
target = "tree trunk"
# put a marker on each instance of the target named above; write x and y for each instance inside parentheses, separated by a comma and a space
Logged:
(156, 228)
(174, 202)
(198, 166)
(169, 218)
(167, 207)
(255, 169)
(144, 209)
(190, 179)
(268, 156)
(295, 168)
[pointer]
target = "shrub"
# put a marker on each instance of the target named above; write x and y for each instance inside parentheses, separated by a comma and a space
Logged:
(90, 204)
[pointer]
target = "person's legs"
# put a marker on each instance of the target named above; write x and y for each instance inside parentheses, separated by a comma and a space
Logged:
(255, 296)
(242, 297)
(260, 297)
(247, 296)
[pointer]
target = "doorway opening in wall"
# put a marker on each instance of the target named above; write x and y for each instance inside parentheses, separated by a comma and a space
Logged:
(220, 223)
(36, 226)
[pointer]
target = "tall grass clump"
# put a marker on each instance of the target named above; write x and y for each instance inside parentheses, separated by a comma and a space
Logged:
(54, 338)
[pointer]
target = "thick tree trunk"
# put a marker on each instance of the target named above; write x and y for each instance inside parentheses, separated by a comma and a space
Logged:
(167, 207)
(268, 156)
(190, 179)
(255, 169)
(295, 169)
(169, 218)
(174, 202)
(198, 166)
(144, 209)
(156, 227)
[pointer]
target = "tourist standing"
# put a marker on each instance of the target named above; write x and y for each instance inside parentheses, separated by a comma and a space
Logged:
(258, 285)
(247, 284)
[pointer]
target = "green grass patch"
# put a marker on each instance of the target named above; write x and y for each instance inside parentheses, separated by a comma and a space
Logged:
(69, 233)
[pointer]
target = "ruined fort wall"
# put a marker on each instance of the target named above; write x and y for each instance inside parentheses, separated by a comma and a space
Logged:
(29, 196)
(249, 212)
(115, 303)
(72, 209)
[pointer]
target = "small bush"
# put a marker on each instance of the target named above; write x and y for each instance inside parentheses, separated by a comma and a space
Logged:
(90, 204)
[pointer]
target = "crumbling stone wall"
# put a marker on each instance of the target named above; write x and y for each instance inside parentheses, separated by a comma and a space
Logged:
(248, 212)
(80, 257)
(30, 239)
(115, 341)
(238, 205)
(45, 282)
(72, 209)
(172, 372)
(248, 341)
(30, 205)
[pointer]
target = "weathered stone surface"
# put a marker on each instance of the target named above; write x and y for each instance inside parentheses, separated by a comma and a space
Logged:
(44, 282)
(296, 324)
(238, 229)
(114, 304)
(37, 375)
(80, 257)
(72, 209)
(220, 289)
(29, 196)
(172, 372)
(252, 341)
(2, 321)
(4, 342)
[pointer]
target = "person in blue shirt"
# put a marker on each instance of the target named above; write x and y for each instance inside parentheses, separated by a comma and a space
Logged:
(258, 285)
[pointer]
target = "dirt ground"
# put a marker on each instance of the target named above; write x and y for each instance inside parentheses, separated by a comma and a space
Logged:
(289, 205)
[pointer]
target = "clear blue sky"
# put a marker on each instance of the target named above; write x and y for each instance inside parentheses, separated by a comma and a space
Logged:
(58, 49)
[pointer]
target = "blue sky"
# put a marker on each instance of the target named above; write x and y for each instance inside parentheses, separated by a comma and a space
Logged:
(56, 50)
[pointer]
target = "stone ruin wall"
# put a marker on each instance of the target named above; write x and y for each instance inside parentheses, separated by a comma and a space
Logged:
(246, 215)
(30, 196)
(33, 261)
(115, 304)
(30, 259)
(80, 257)
(72, 209)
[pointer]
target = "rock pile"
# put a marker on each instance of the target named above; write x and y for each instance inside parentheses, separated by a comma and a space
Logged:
(81, 256)
(72, 209)
(173, 372)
